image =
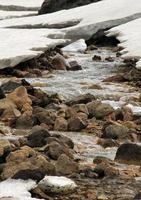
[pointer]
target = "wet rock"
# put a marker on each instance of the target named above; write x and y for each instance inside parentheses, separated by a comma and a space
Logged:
(65, 140)
(74, 66)
(96, 58)
(133, 75)
(57, 185)
(92, 107)
(55, 149)
(70, 112)
(61, 124)
(66, 166)
(5, 149)
(115, 79)
(48, 5)
(109, 59)
(116, 132)
(59, 62)
(25, 159)
(38, 137)
(76, 124)
(138, 196)
(103, 110)
(80, 108)
(105, 143)
(129, 153)
(82, 99)
(10, 86)
(101, 159)
(2, 94)
(105, 169)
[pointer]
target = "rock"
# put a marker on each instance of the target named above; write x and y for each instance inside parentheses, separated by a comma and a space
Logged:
(2, 94)
(101, 159)
(116, 132)
(80, 108)
(61, 124)
(133, 75)
(57, 185)
(55, 149)
(83, 116)
(26, 160)
(70, 112)
(59, 62)
(96, 58)
(76, 124)
(105, 169)
(10, 86)
(92, 107)
(82, 99)
(24, 122)
(105, 143)
(129, 153)
(5, 149)
(48, 5)
(65, 140)
(65, 165)
(74, 66)
(103, 110)
(138, 196)
(38, 137)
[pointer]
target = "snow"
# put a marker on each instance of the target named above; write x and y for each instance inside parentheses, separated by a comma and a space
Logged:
(78, 46)
(129, 35)
(50, 29)
(17, 189)
(91, 18)
(13, 14)
(18, 45)
(20, 4)
(57, 184)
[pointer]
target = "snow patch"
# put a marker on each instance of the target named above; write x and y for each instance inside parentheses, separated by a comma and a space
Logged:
(129, 35)
(17, 189)
(78, 46)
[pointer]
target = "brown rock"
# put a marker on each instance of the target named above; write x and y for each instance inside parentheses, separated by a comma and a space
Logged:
(59, 62)
(76, 124)
(65, 165)
(61, 124)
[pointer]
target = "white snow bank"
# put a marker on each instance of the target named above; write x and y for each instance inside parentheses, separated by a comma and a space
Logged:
(91, 18)
(20, 4)
(17, 188)
(14, 14)
(19, 45)
(78, 46)
(129, 35)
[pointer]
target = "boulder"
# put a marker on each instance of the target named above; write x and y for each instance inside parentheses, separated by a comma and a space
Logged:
(57, 185)
(65, 140)
(82, 99)
(66, 166)
(26, 160)
(129, 153)
(5, 149)
(59, 62)
(61, 124)
(76, 124)
(74, 66)
(116, 132)
(10, 86)
(55, 149)
(103, 110)
(80, 108)
(38, 137)
(92, 107)
(50, 6)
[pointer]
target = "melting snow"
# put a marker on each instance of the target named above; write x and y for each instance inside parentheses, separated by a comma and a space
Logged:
(17, 189)
(129, 35)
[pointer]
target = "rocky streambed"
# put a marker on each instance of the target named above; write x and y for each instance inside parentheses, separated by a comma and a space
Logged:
(82, 124)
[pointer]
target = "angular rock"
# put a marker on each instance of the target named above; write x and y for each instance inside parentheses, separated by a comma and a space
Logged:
(103, 110)
(129, 153)
(38, 137)
(55, 149)
(66, 166)
(116, 132)
(10, 86)
(54, 5)
(82, 99)
(61, 124)
(76, 124)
